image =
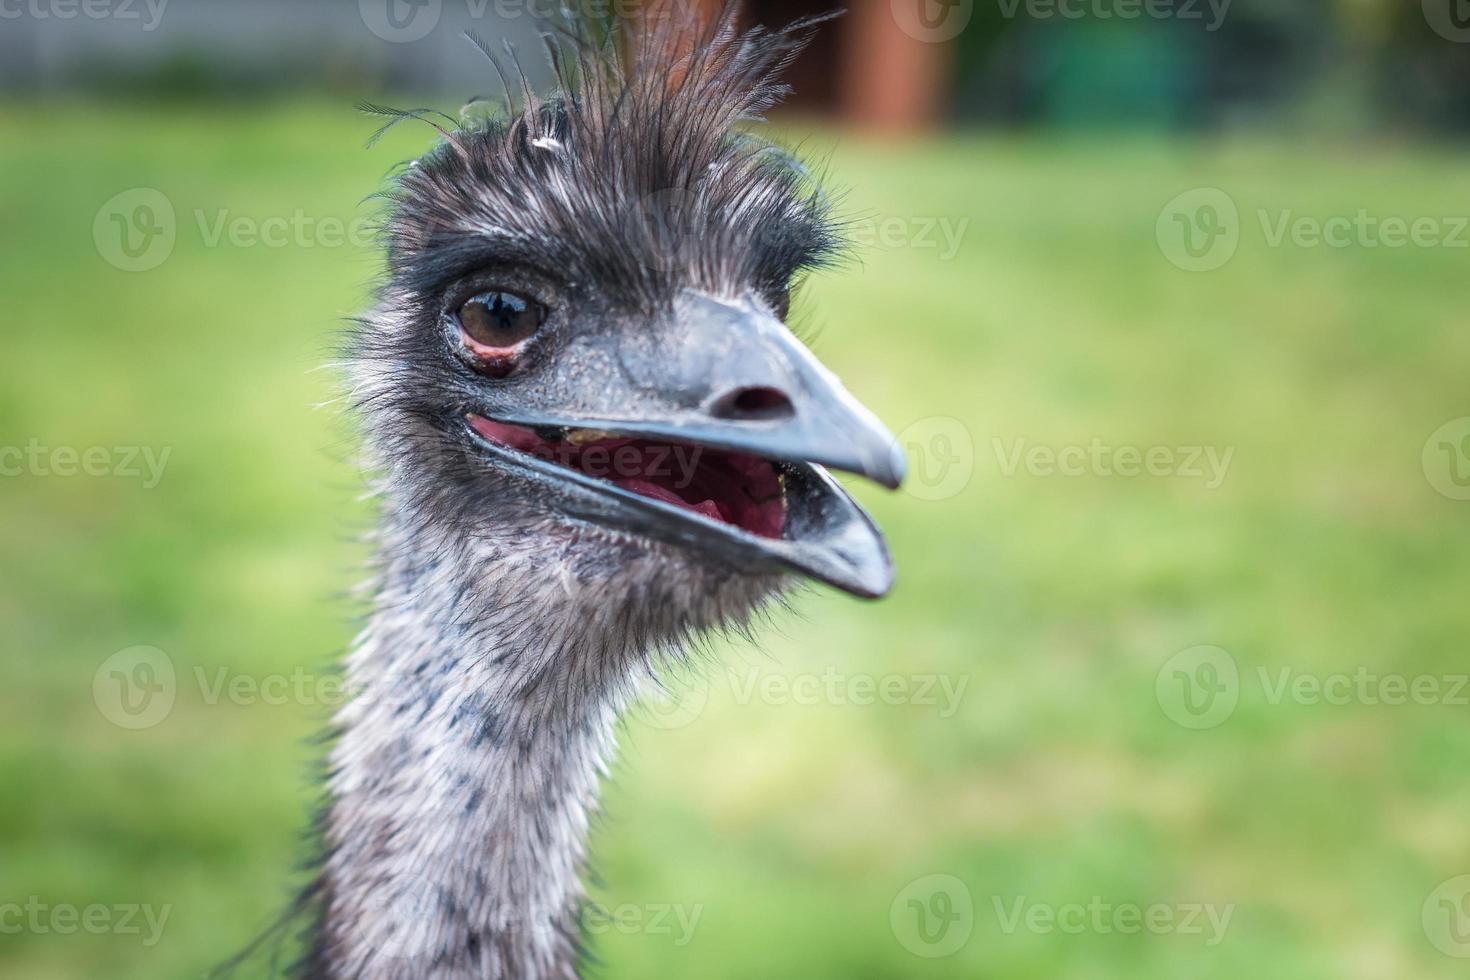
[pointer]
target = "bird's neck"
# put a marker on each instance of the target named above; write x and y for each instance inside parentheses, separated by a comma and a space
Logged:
(486, 692)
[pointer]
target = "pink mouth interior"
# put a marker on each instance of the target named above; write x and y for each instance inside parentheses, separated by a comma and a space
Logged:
(741, 491)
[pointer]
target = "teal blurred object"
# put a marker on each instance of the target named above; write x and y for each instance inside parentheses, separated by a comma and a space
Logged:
(1100, 75)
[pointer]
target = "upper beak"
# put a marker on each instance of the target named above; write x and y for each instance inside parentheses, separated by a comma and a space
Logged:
(765, 383)
(731, 376)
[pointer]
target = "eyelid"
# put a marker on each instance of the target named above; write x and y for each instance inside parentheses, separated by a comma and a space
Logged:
(520, 283)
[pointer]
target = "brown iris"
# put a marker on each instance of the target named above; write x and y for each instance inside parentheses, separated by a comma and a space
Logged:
(498, 321)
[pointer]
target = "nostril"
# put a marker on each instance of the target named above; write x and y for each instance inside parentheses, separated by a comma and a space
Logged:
(760, 404)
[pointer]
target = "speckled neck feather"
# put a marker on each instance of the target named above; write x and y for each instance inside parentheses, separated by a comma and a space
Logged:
(507, 638)
(466, 769)
(488, 683)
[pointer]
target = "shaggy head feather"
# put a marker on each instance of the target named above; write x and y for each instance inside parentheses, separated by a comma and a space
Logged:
(632, 183)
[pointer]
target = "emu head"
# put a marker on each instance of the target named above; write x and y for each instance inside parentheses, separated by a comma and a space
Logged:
(580, 354)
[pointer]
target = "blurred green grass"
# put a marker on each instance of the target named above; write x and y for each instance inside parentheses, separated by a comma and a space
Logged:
(792, 828)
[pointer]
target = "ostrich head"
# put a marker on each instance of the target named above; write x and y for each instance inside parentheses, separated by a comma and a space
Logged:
(580, 356)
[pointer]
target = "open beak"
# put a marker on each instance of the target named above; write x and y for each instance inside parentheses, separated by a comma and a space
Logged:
(743, 421)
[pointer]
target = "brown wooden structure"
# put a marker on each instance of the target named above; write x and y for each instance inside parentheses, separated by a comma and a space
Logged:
(863, 69)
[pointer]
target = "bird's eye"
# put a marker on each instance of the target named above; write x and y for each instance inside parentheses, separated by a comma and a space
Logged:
(500, 320)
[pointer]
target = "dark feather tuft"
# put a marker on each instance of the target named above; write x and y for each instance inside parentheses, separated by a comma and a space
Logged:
(634, 175)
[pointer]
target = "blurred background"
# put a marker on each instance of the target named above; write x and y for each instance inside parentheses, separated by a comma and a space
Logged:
(1167, 301)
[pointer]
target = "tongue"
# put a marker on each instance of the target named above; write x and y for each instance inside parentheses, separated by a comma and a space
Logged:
(514, 436)
(644, 488)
